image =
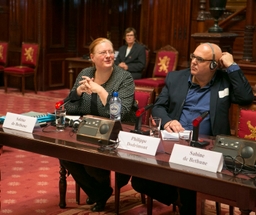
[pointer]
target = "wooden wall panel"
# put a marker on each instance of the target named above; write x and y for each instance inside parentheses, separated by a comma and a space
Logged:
(106, 18)
(56, 23)
(96, 20)
(56, 79)
(4, 17)
(166, 22)
(31, 21)
(65, 28)
(124, 14)
(59, 41)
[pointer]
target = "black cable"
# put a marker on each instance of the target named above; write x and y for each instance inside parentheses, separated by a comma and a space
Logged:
(44, 129)
(234, 165)
(109, 147)
(237, 166)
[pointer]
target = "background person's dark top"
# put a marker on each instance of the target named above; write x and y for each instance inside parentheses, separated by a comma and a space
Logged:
(136, 59)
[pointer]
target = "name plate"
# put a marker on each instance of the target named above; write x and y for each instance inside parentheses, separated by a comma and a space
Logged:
(197, 158)
(18, 133)
(139, 143)
(19, 122)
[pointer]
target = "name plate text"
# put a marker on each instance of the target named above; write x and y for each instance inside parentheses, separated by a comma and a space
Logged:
(139, 143)
(197, 158)
(19, 122)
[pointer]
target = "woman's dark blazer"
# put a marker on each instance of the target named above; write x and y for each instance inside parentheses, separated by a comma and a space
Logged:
(136, 59)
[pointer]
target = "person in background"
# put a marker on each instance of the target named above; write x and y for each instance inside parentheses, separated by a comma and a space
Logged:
(131, 56)
(211, 84)
(90, 94)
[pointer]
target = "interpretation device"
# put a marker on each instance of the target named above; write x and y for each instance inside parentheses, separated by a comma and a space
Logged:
(98, 130)
(236, 147)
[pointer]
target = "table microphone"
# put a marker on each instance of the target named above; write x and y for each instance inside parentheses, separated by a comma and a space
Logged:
(196, 123)
(141, 111)
(139, 114)
(61, 103)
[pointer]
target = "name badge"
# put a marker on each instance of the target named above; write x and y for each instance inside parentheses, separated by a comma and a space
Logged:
(139, 143)
(224, 93)
(19, 122)
(197, 158)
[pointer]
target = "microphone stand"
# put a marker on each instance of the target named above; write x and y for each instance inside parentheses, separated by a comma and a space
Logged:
(195, 142)
(138, 122)
(137, 128)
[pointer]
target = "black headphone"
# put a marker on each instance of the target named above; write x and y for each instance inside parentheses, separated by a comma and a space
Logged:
(213, 63)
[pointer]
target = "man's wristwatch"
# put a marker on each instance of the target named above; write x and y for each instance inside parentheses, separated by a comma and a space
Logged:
(234, 63)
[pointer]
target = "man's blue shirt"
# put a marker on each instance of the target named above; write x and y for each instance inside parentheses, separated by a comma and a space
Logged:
(198, 102)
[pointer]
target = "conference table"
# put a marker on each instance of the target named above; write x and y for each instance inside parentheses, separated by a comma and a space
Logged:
(64, 145)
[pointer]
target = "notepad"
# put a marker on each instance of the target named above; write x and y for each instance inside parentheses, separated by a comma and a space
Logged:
(41, 117)
(2, 119)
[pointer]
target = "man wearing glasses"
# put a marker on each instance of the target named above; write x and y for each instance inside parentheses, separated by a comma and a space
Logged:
(131, 56)
(211, 84)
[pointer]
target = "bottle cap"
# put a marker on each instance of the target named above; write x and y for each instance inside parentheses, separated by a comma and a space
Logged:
(115, 94)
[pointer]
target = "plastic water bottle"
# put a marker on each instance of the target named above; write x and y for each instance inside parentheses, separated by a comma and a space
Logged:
(115, 107)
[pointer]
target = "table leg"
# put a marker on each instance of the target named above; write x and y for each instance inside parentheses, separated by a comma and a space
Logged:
(245, 212)
(62, 187)
(71, 72)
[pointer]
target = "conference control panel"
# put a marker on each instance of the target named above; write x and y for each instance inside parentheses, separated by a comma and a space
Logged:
(236, 148)
(98, 130)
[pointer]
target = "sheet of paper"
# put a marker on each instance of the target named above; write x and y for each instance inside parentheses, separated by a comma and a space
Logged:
(169, 136)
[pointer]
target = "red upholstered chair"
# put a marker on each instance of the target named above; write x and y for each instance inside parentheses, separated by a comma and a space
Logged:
(246, 123)
(3, 63)
(166, 61)
(245, 128)
(3, 55)
(147, 62)
(144, 96)
(28, 67)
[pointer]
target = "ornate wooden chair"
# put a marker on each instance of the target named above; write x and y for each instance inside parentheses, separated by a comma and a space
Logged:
(143, 97)
(3, 55)
(3, 63)
(245, 128)
(29, 63)
(246, 123)
(166, 61)
(144, 72)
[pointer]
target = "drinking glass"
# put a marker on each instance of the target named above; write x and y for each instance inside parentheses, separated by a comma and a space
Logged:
(185, 137)
(60, 115)
(155, 126)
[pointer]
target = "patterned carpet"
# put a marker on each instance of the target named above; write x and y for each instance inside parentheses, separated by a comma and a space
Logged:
(14, 101)
(29, 182)
(29, 185)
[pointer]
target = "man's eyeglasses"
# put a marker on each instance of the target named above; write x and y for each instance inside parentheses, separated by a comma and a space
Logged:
(104, 53)
(198, 59)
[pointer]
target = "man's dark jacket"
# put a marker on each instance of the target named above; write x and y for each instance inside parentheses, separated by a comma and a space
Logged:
(170, 102)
